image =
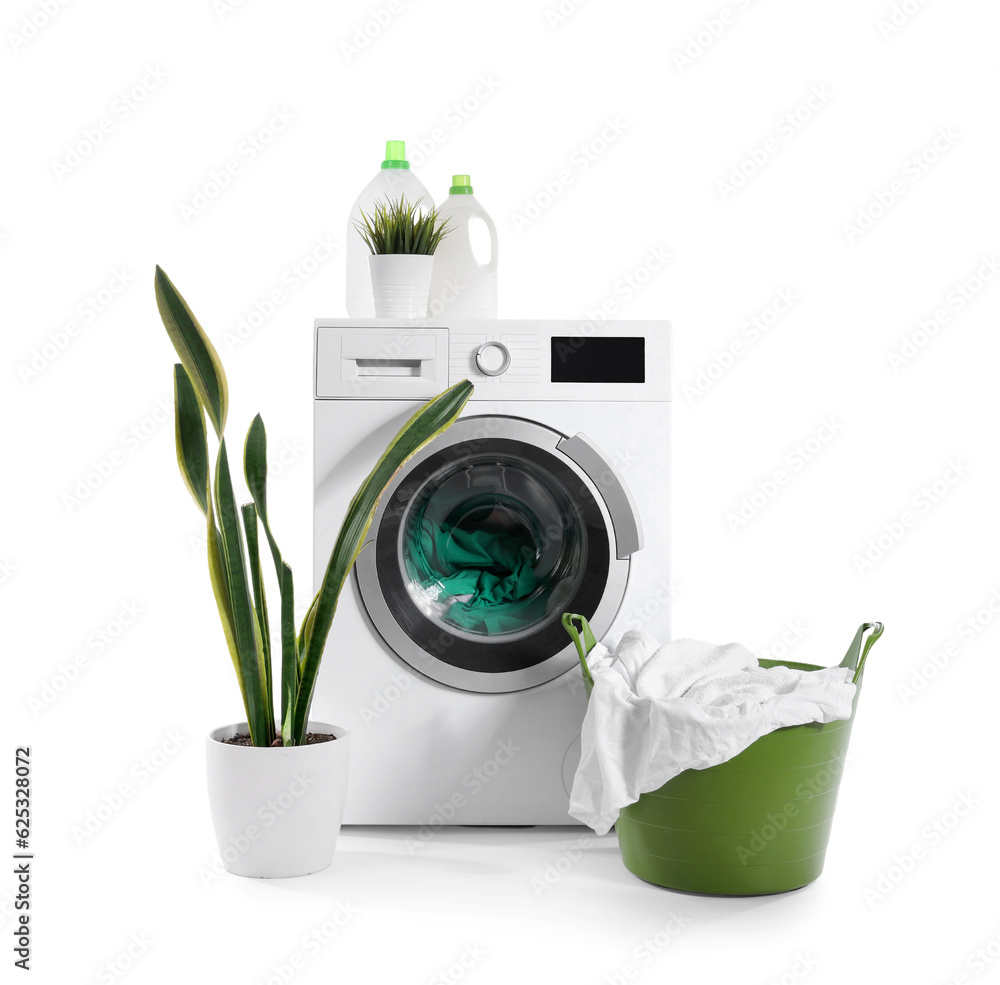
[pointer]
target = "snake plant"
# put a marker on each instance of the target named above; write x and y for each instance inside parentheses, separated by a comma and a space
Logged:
(200, 391)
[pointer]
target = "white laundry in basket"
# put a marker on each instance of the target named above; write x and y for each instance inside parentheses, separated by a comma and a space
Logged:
(652, 715)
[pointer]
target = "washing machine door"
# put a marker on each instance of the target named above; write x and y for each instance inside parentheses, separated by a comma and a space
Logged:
(484, 539)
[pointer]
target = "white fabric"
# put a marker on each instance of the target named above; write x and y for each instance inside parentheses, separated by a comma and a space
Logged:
(673, 670)
(652, 715)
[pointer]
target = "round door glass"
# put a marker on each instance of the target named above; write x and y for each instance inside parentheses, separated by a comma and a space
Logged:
(492, 547)
(482, 547)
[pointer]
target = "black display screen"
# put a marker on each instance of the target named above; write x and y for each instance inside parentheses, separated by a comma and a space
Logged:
(587, 360)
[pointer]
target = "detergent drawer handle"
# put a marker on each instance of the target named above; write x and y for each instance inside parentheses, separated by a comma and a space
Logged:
(610, 484)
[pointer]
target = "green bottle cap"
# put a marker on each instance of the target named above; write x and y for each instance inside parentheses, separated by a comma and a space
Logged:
(461, 184)
(395, 155)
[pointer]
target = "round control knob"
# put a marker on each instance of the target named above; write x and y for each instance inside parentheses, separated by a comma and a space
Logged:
(492, 358)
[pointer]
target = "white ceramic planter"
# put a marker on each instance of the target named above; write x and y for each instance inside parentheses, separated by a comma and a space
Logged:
(401, 284)
(277, 811)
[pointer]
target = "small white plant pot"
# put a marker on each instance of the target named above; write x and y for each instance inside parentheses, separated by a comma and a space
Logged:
(401, 284)
(277, 811)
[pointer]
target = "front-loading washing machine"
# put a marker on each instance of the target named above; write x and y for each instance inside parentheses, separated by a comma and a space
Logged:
(447, 659)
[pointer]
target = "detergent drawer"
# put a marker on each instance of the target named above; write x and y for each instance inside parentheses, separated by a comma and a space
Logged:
(362, 361)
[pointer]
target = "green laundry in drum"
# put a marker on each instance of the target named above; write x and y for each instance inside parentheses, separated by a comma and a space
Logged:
(488, 574)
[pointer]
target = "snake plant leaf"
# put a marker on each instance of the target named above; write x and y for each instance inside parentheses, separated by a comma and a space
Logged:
(189, 436)
(255, 470)
(249, 513)
(220, 588)
(196, 352)
(306, 628)
(255, 462)
(246, 632)
(289, 644)
(425, 425)
(288, 701)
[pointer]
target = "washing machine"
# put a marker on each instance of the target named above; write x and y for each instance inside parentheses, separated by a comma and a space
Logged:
(447, 660)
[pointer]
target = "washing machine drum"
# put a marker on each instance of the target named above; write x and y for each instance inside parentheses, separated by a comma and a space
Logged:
(483, 541)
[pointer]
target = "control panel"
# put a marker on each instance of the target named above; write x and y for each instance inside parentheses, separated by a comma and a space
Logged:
(505, 359)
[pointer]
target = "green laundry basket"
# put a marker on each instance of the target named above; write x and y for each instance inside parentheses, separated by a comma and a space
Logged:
(756, 824)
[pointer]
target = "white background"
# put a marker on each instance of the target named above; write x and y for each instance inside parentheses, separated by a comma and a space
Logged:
(516, 95)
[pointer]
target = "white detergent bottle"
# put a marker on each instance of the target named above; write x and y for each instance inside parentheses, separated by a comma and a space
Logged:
(460, 284)
(394, 180)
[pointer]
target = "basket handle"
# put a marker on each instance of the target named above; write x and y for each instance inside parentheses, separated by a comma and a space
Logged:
(857, 654)
(583, 636)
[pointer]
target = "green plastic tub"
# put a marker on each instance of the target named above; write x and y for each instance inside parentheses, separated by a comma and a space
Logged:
(759, 823)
